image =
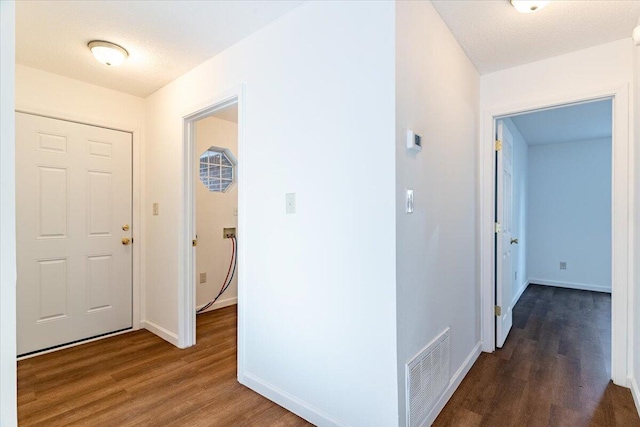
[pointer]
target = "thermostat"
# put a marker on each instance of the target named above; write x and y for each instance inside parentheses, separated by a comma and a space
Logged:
(414, 142)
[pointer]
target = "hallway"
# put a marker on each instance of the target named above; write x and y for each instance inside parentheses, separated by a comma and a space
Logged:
(552, 371)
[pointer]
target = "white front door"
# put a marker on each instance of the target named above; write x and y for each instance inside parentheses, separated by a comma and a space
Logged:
(73, 205)
(504, 281)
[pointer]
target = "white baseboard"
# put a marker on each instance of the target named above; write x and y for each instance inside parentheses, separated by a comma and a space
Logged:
(570, 285)
(453, 384)
(160, 331)
(303, 409)
(635, 392)
(219, 304)
(516, 298)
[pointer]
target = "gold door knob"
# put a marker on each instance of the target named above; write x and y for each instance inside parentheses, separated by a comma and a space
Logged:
(126, 241)
(125, 227)
(514, 241)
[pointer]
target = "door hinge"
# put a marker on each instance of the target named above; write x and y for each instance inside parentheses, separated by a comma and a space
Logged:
(498, 310)
(498, 227)
(498, 145)
(194, 242)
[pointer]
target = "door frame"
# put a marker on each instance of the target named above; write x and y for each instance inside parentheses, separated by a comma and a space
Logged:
(187, 232)
(622, 205)
(137, 261)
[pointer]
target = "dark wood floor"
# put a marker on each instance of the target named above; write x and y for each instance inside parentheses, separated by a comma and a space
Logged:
(137, 379)
(554, 369)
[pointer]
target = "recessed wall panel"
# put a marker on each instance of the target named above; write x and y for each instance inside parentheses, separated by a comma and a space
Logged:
(51, 288)
(53, 143)
(100, 203)
(100, 149)
(51, 202)
(98, 283)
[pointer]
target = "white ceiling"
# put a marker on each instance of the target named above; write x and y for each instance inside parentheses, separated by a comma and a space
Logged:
(229, 113)
(495, 36)
(579, 122)
(165, 39)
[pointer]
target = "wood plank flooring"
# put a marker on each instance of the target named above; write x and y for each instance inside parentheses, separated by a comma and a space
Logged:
(138, 379)
(554, 369)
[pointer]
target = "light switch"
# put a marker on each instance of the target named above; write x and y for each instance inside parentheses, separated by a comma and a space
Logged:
(291, 203)
(156, 208)
(409, 202)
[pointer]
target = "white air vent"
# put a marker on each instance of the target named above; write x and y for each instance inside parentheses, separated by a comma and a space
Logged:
(427, 379)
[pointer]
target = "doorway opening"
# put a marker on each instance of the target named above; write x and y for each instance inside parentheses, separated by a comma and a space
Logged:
(498, 300)
(212, 227)
(554, 228)
(216, 209)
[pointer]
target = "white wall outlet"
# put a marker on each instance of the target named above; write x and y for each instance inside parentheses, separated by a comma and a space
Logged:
(409, 202)
(290, 199)
(235, 211)
(563, 265)
(156, 208)
(203, 277)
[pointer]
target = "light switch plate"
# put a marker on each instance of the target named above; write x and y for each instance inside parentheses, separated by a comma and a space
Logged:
(203, 277)
(156, 208)
(409, 202)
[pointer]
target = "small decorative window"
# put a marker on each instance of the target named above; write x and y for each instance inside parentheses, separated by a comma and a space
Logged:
(217, 169)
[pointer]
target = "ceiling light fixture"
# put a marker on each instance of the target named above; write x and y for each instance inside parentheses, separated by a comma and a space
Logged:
(107, 53)
(528, 6)
(636, 34)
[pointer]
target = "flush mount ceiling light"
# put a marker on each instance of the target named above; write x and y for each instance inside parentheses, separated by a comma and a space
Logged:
(636, 34)
(528, 6)
(107, 53)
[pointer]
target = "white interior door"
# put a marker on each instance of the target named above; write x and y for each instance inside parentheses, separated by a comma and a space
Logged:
(73, 203)
(504, 216)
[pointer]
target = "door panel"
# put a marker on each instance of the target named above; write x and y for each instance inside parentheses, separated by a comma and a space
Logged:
(100, 206)
(51, 287)
(504, 216)
(51, 202)
(73, 198)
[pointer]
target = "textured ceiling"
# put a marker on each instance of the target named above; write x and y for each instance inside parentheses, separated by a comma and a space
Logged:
(579, 122)
(495, 36)
(164, 38)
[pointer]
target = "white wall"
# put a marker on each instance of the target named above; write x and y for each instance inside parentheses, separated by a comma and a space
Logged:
(61, 97)
(215, 211)
(318, 297)
(519, 270)
(570, 214)
(437, 96)
(584, 70)
(8, 402)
